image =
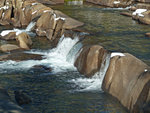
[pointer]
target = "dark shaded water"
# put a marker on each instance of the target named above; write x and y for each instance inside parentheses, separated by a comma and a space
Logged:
(62, 90)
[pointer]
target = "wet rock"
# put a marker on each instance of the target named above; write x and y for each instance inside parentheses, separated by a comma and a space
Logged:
(8, 47)
(22, 98)
(126, 14)
(42, 67)
(20, 56)
(90, 60)
(6, 105)
(9, 36)
(128, 79)
(147, 34)
(24, 40)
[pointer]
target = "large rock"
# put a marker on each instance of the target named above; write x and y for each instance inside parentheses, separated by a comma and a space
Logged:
(24, 40)
(22, 98)
(50, 25)
(90, 60)
(128, 79)
(8, 47)
(1, 13)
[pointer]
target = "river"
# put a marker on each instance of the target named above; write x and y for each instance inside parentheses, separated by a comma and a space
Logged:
(64, 90)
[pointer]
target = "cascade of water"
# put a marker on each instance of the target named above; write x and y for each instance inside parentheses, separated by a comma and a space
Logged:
(94, 83)
(18, 31)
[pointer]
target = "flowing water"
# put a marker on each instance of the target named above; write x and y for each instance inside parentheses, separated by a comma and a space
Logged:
(63, 89)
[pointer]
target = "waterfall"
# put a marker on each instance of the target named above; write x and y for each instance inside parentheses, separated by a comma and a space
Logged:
(18, 31)
(94, 83)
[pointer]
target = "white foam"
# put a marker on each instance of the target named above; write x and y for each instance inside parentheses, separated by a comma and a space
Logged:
(116, 2)
(59, 18)
(94, 83)
(34, 12)
(4, 7)
(139, 12)
(18, 31)
(116, 54)
(46, 11)
(145, 70)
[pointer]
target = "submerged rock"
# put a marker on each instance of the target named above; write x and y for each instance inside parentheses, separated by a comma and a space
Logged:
(90, 60)
(42, 67)
(8, 47)
(6, 105)
(22, 98)
(20, 56)
(24, 40)
(128, 79)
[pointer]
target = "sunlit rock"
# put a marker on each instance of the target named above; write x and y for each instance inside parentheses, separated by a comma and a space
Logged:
(90, 60)
(8, 47)
(127, 80)
(24, 40)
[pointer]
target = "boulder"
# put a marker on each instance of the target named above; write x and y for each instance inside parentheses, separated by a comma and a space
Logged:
(90, 60)
(145, 20)
(20, 56)
(128, 79)
(22, 98)
(9, 36)
(8, 47)
(24, 40)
